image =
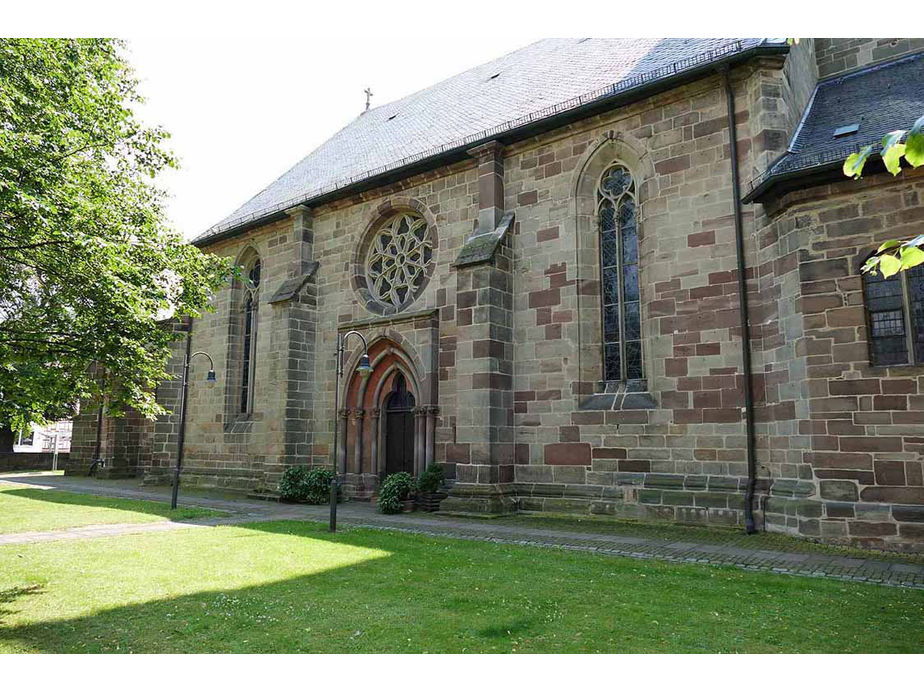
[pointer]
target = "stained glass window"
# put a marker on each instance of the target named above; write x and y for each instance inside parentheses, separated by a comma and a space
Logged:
(248, 344)
(622, 328)
(398, 259)
(895, 314)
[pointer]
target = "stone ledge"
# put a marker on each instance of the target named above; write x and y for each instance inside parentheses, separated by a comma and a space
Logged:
(481, 246)
(389, 319)
(290, 287)
(480, 500)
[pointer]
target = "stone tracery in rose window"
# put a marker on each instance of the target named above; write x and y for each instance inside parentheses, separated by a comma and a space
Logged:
(398, 259)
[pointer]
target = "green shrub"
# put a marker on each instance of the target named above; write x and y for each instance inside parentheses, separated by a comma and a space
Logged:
(395, 490)
(300, 484)
(431, 479)
(292, 485)
(318, 485)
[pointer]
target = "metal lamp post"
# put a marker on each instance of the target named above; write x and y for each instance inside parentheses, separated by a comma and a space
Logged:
(364, 367)
(182, 432)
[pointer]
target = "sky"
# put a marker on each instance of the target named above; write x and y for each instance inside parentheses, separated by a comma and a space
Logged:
(241, 112)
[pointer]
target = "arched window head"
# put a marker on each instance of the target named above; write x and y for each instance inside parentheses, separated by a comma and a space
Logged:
(253, 275)
(617, 212)
(895, 317)
(249, 334)
(400, 397)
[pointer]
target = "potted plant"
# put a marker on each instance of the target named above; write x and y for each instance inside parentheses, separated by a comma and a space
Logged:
(429, 495)
(396, 493)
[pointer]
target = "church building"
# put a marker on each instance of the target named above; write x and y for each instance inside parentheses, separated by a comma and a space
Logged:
(608, 276)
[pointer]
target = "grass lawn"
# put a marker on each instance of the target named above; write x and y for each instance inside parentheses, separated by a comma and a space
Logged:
(291, 587)
(35, 510)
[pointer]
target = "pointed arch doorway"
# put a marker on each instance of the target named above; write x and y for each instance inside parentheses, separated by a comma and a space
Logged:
(389, 420)
(399, 428)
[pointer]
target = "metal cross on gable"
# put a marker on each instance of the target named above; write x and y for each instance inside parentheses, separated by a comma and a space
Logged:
(368, 93)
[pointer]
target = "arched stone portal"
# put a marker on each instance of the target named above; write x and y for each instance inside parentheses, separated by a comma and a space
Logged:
(386, 423)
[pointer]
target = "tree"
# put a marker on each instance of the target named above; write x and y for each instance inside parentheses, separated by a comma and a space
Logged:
(893, 256)
(88, 267)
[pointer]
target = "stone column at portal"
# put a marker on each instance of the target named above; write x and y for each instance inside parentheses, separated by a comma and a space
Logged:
(431, 429)
(342, 442)
(374, 448)
(419, 414)
(357, 415)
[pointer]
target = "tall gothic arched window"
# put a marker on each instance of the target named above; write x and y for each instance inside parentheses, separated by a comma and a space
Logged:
(622, 326)
(249, 335)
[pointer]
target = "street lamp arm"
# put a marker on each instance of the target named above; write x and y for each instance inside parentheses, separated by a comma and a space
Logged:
(341, 347)
(358, 334)
(202, 353)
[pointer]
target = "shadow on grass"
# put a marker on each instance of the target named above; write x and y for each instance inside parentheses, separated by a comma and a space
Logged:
(11, 595)
(146, 507)
(391, 592)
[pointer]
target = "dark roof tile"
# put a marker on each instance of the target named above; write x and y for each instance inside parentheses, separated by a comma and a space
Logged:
(878, 99)
(544, 78)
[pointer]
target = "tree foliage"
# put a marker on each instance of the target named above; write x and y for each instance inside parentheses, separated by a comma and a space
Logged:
(898, 144)
(88, 266)
(893, 256)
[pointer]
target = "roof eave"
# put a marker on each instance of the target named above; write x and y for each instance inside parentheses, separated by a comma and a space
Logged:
(832, 171)
(770, 186)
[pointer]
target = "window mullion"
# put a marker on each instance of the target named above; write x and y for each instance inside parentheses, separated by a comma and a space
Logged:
(620, 293)
(906, 314)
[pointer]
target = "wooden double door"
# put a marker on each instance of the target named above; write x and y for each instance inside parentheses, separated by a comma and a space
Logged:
(399, 430)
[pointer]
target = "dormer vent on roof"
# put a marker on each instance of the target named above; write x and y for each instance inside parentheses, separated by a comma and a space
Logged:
(845, 130)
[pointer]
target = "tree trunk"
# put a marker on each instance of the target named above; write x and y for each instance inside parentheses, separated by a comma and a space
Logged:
(7, 438)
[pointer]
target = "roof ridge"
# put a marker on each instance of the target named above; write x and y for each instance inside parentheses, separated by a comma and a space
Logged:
(685, 55)
(450, 77)
(353, 120)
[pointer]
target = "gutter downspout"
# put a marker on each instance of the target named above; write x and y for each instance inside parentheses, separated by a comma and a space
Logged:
(749, 526)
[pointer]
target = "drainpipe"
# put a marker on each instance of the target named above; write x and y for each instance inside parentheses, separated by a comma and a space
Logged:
(749, 526)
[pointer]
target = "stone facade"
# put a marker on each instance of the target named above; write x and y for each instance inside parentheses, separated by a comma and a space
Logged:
(851, 435)
(502, 350)
(839, 55)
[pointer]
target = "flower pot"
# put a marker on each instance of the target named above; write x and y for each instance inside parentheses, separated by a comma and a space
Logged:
(430, 502)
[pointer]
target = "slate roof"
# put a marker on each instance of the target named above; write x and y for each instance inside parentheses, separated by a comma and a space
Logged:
(879, 99)
(544, 79)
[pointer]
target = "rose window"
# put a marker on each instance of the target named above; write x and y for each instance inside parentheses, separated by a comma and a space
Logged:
(398, 259)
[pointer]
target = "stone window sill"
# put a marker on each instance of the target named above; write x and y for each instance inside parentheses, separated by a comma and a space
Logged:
(242, 423)
(619, 395)
(898, 369)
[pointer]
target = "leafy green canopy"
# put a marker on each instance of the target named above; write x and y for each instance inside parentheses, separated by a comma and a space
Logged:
(87, 263)
(893, 256)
